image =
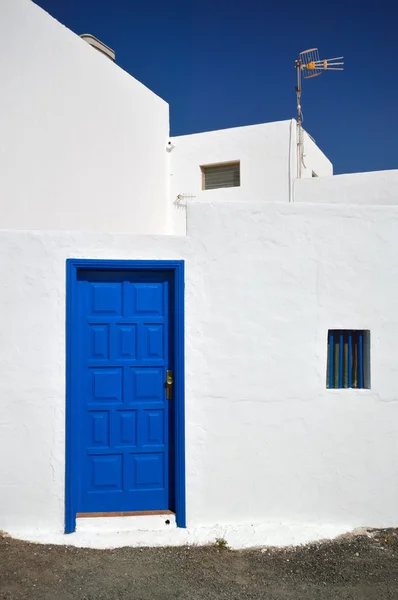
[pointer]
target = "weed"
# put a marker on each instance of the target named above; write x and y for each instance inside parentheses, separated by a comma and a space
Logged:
(221, 544)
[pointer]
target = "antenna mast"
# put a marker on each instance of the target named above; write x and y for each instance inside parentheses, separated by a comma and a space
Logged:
(299, 120)
(310, 65)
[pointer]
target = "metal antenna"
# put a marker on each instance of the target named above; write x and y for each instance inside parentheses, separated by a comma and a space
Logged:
(310, 65)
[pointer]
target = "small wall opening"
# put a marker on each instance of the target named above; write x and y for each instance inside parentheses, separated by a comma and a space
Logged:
(223, 175)
(348, 359)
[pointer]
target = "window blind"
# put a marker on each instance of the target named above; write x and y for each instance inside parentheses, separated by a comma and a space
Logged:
(221, 176)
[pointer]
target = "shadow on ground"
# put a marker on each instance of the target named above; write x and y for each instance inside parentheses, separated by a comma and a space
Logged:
(356, 567)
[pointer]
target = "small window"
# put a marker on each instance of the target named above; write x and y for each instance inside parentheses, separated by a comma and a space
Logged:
(348, 362)
(223, 175)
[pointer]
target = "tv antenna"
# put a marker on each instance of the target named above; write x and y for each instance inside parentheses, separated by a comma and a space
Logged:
(309, 65)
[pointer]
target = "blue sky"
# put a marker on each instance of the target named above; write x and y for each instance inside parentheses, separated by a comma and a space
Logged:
(227, 63)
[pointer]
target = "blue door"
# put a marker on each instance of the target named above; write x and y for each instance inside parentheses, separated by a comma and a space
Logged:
(124, 349)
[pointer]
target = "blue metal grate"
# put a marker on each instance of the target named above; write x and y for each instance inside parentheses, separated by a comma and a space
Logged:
(348, 361)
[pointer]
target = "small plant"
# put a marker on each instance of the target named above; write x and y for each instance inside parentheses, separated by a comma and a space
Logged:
(221, 544)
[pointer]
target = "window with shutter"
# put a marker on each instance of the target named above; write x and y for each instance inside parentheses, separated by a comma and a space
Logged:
(348, 361)
(223, 175)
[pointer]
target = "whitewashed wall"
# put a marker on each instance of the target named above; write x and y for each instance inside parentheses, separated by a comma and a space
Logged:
(314, 160)
(263, 151)
(32, 364)
(82, 142)
(266, 441)
(276, 444)
(268, 164)
(379, 187)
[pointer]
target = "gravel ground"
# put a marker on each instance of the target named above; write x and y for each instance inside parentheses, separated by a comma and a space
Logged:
(356, 567)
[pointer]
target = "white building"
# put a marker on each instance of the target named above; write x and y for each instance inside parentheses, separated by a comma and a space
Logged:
(267, 438)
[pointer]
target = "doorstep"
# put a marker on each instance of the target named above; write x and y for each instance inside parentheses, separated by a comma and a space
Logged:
(125, 521)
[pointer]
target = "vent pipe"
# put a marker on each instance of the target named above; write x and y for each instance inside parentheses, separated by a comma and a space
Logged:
(98, 45)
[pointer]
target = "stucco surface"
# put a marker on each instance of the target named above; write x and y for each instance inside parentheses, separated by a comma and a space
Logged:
(82, 142)
(268, 165)
(314, 160)
(269, 449)
(263, 152)
(378, 188)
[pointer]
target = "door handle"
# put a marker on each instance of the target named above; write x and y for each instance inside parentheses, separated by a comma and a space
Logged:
(169, 384)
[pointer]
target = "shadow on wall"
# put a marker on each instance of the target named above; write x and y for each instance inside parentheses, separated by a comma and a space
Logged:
(181, 200)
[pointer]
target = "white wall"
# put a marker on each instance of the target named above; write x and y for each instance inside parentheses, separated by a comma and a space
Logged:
(379, 187)
(268, 164)
(266, 441)
(82, 142)
(32, 364)
(276, 444)
(314, 160)
(264, 154)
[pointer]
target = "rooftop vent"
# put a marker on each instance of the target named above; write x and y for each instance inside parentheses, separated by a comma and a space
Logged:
(98, 45)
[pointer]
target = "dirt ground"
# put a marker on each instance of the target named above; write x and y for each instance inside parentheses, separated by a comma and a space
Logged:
(357, 567)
